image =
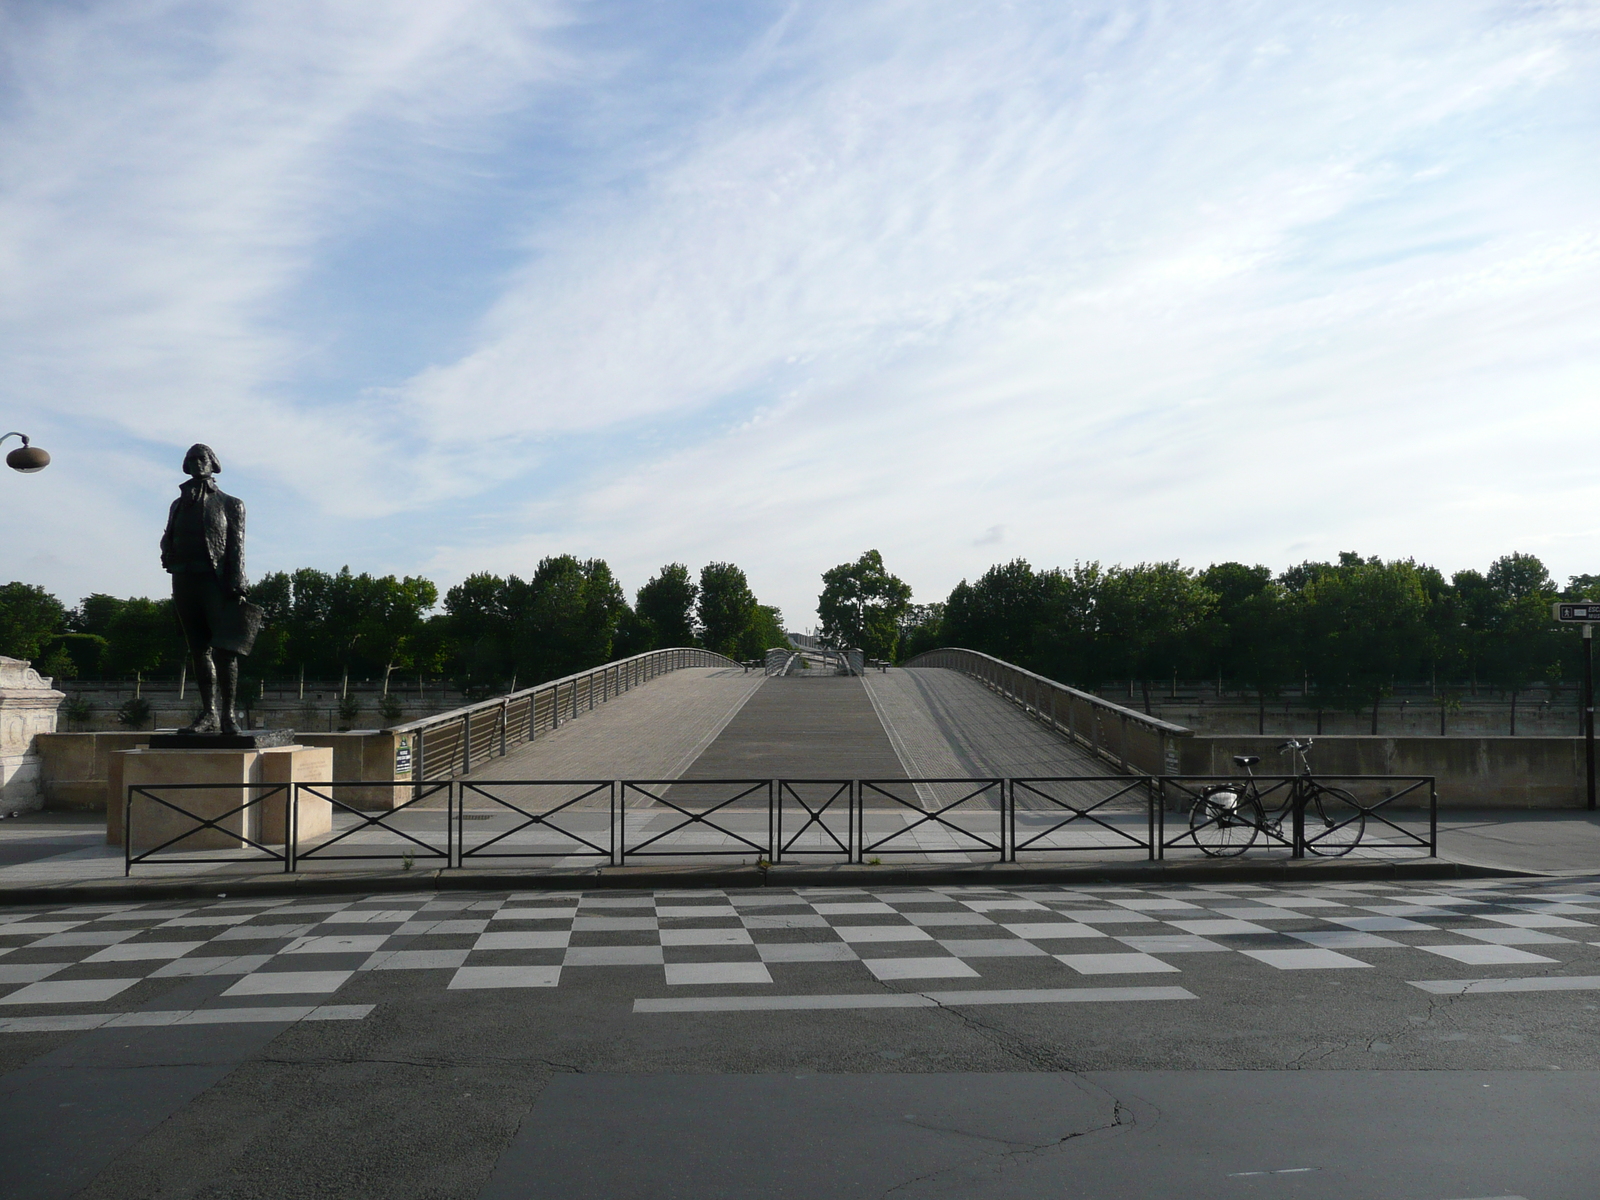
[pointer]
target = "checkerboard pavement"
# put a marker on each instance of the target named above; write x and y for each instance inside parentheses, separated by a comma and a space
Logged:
(291, 958)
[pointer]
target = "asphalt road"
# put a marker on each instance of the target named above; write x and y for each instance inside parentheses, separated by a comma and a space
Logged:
(1397, 1041)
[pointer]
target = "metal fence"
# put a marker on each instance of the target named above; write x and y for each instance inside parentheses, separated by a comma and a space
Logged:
(453, 743)
(458, 823)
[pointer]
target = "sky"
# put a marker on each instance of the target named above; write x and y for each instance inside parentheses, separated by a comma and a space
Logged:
(453, 285)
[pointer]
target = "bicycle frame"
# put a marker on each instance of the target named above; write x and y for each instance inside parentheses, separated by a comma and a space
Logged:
(1301, 791)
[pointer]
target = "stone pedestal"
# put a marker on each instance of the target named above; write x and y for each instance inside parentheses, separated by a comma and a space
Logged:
(27, 708)
(239, 775)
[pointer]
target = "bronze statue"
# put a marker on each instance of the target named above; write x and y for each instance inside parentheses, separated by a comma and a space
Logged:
(203, 548)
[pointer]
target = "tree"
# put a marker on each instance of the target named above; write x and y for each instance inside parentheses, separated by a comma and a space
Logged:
(565, 617)
(1250, 631)
(392, 622)
(921, 629)
(29, 618)
(1522, 643)
(861, 606)
(1365, 624)
(725, 608)
(1148, 611)
(765, 632)
(145, 638)
(999, 614)
(665, 606)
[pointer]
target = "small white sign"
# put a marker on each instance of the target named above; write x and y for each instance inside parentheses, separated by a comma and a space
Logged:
(1583, 612)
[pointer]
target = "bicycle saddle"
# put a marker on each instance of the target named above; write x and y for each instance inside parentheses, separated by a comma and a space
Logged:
(1245, 760)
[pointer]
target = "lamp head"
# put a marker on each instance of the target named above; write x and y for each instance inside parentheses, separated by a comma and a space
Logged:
(25, 458)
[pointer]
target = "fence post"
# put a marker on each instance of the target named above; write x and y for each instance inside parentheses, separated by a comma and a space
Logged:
(1433, 817)
(505, 713)
(1008, 820)
(619, 826)
(1161, 823)
(1298, 849)
(466, 743)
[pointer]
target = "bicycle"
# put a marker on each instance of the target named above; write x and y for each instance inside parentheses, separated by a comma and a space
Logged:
(1226, 818)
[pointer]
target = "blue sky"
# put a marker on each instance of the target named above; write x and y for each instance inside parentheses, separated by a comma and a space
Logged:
(452, 285)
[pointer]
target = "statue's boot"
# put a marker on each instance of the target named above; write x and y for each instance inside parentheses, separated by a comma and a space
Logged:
(205, 675)
(227, 688)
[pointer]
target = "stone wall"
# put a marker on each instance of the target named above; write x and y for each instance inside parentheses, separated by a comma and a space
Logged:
(27, 710)
(76, 770)
(1472, 772)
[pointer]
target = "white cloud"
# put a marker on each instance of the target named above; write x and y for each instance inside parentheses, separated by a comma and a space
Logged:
(1123, 281)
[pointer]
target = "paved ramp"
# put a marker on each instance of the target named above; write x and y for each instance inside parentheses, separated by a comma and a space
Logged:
(944, 724)
(651, 732)
(797, 728)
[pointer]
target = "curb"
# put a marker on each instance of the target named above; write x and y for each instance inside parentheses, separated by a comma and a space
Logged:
(648, 878)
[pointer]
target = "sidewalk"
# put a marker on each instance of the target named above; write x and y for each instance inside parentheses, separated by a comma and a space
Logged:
(46, 857)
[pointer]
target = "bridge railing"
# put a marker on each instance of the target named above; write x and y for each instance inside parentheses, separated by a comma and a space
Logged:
(453, 743)
(1130, 739)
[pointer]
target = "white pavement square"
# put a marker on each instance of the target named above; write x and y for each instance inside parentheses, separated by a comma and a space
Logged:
(919, 968)
(1478, 956)
(68, 991)
(505, 977)
(1114, 964)
(1305, 960)
(288, 983)
(722, 972)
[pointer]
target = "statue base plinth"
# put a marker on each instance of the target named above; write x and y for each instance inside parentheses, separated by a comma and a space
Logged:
(215, 797)
(245, 739)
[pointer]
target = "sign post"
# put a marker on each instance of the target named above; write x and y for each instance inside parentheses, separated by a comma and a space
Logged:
(1587, 614)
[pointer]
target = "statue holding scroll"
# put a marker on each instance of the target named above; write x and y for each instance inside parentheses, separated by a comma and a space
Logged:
(203, 549)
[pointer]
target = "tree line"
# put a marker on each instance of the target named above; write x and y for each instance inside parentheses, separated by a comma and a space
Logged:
(488, 633)
(1349, 631)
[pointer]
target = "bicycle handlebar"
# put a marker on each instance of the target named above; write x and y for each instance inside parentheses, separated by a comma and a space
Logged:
(1294, 744)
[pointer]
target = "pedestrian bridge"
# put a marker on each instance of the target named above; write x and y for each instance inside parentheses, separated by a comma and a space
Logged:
(683, 755)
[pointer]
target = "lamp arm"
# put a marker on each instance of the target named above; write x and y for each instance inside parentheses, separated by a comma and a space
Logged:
(23, 436)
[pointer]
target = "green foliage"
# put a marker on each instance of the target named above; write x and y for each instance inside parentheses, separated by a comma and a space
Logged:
(861, 606)
(58, 664)
(77, 710)
(144, 638)
(29, 618)
(562, 620)
(765, 632)
(135, 712)
(726, 607)
(665, 608)
(1363, 625)
(1353, 627)
(349, 710)
(390, 708)
(86, 654)
(919, 629)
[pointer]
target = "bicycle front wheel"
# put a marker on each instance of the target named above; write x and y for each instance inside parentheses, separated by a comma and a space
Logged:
(1335, 822)
(1225, 820)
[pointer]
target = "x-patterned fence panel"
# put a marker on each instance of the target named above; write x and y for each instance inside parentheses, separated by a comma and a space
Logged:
(1367, 816)
(1076, 813)
(418, 828)
(545, 818)
(931, 816)
(697, 818)
(194, 823)
(813, 817)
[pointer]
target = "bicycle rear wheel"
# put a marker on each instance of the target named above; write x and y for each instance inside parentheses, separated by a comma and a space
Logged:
(1335, 822)
(1225, 820)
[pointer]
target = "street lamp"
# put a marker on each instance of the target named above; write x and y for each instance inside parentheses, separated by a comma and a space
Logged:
(25, 458)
